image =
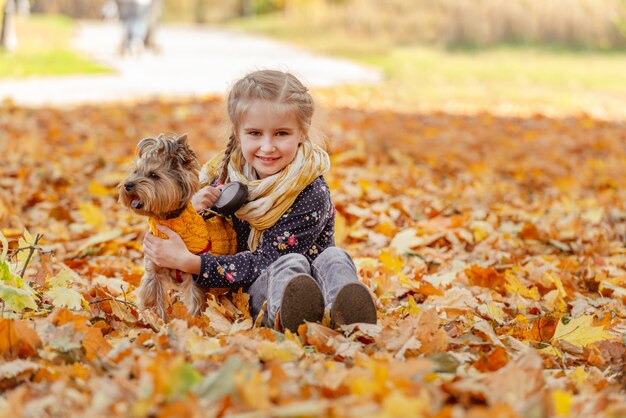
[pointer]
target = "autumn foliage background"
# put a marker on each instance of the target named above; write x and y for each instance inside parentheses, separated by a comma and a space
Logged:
(494, 245)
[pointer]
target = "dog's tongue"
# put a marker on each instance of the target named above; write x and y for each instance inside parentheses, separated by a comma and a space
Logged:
(136, 204)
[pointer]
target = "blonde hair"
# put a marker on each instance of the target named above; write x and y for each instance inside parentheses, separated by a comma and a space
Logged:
(280, 88)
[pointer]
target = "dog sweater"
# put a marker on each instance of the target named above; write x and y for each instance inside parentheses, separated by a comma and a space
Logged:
(215, 236)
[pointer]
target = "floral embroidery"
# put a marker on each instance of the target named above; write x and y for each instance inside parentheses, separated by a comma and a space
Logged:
(306, 228)
(286, 240)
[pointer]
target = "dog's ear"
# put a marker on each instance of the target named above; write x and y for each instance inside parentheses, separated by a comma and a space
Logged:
(144, 144)
(182, 140)
(185, 154)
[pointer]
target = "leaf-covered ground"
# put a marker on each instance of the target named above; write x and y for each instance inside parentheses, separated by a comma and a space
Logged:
(495, 247)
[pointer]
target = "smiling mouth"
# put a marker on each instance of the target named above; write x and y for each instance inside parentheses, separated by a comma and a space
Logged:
(268, 159)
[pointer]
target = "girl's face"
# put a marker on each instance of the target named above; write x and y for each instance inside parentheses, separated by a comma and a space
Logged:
(269, 137)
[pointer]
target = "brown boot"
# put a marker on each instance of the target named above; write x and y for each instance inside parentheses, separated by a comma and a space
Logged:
(353, 304)
(302, 301)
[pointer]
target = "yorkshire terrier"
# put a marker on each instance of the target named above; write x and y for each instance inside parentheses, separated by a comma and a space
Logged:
(164, 179)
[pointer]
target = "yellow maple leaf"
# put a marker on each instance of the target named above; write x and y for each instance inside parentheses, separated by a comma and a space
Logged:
(405, 240)
(579, 375)
(5, 246)
(413, 308)
(26, 240)
(557, 283)
(495, 312)
(284, 351)
(98, 189)
(580, 332)
(64, 296)
(553, 351)
(398, 405)
(513, 285)
(390, 261)
(562, 401)
(91, 214)
(341, 227)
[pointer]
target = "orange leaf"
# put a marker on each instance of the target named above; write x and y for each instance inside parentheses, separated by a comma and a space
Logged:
(530, 231)
(17, 339)
(485, 277)
(319, 337)
(495, 360)
(94, 344)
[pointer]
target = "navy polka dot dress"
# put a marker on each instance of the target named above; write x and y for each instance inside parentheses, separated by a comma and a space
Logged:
(307, 228)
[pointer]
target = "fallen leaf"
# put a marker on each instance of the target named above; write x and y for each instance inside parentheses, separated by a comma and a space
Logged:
(580, 332)
(17, 339)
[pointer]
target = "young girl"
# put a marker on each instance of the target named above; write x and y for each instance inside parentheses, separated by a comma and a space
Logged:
(285, 232)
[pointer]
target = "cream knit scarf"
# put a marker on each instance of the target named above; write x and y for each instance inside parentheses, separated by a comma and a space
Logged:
(271, 197)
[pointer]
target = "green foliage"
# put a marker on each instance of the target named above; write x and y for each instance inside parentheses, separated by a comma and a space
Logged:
(16, 294)
(17, 299)
(267, 6)
(416, 75)
(35, 56)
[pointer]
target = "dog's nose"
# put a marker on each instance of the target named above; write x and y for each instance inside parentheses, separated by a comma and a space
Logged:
(129, 186)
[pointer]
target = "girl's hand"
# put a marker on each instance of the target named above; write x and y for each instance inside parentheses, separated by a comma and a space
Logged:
(205, 198)
(171, 253)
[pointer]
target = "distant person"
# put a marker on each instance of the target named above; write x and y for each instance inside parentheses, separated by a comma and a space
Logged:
(153, 22)
(139, 19)
(285, 232)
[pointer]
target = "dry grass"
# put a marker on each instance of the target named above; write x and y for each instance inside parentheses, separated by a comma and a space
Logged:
(579, 23)
(505, 79)
(574, 23)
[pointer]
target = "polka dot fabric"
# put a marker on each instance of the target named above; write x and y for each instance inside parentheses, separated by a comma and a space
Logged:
(306, 228)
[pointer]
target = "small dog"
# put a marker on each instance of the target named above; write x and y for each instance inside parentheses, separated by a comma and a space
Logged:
(165, 177)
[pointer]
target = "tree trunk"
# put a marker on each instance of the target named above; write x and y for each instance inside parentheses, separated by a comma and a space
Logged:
(246, 8)
(8, 36)
(22, 7)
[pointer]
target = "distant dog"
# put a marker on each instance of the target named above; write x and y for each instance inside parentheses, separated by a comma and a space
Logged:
(164, 179)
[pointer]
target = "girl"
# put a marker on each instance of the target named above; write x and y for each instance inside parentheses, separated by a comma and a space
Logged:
(285, 232)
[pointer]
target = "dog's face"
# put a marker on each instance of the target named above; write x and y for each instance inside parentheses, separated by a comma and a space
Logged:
(164, 178)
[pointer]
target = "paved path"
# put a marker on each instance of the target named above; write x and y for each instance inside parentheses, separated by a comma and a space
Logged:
(193, 61)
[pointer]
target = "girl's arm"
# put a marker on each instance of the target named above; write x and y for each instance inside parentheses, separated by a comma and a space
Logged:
(295, 232)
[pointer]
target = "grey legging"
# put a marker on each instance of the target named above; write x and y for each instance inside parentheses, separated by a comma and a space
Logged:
(332, 270)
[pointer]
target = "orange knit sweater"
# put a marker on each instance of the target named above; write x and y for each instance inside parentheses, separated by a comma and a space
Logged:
(215, 236)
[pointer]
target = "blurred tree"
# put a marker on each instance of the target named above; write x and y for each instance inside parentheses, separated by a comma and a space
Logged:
(247, 8)
(80, 9)
(22, 7)
(8, 36)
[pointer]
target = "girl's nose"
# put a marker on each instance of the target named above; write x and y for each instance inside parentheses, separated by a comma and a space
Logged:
(267, 146)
